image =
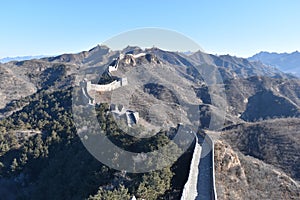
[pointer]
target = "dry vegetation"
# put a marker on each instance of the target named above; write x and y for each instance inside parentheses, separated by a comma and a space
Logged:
(244, 177)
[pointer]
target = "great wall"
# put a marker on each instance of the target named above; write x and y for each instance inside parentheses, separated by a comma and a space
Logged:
(87, 87)
(200, 184)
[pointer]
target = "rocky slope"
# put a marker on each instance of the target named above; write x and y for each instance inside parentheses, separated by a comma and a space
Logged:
(275, 142)
(261, 97)
(244, 177)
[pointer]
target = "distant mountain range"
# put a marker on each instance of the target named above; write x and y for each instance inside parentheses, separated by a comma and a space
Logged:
(20, 58)
(287, 62)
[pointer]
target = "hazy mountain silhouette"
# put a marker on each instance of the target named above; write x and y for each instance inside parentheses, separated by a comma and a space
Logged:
(287, 62)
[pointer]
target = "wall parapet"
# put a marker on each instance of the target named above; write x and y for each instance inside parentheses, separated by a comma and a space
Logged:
(106, 87)
(187, 193)
(212, 144)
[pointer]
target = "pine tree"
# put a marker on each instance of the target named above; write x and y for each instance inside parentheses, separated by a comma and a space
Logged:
(14, 166)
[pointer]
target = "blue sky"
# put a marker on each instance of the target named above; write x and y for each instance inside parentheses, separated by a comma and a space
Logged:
(236, 27)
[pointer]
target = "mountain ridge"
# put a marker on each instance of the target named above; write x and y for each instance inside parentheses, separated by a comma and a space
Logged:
(20, 58)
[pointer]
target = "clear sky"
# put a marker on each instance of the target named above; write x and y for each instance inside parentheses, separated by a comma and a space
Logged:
(236, 27)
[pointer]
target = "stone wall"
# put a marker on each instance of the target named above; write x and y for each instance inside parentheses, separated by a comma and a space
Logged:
(107, 87)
